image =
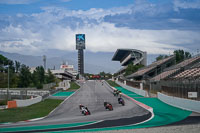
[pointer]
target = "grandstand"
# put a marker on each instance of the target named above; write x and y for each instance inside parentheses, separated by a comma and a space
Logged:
(183, 79)
(175, 69)
(126, 56)
(193, 73)
(152, 70)
(179, 80)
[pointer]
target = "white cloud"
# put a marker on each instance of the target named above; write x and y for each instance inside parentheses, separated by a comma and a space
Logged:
(65, 0)
(17, 1)
(186, 4)
(102, 37)
(174, 20)
(93, 13)
(55, 28)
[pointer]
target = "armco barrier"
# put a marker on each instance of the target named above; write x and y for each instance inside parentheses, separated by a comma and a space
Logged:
(137, 91)
(182, 103)
(27, 102)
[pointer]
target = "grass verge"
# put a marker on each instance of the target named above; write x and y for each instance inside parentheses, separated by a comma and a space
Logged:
(112, 83)
(37, 110)
(73, 86)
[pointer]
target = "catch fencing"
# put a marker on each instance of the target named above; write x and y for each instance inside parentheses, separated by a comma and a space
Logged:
(189, 89)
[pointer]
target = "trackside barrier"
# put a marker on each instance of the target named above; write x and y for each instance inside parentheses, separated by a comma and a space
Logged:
(11, 104)
(182, 103)
(137, 91)
(27, 102)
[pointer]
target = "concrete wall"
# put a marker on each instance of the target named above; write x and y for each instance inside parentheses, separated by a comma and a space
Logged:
(27, 102)
(137, 91)
(182, 103)
(23, 92)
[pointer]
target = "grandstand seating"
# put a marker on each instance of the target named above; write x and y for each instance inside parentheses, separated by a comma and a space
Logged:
(188, 74)
(150, 67)
(189, 63)
(186, 62)
(164, 75)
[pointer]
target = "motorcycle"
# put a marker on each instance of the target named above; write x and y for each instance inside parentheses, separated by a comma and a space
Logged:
(108, 106)
(121, 101)
(84, 110)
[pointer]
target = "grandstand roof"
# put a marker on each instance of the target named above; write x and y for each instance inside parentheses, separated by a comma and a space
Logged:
(150, 67)
(122, 53)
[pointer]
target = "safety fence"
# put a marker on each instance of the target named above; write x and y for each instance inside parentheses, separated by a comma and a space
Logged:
(189, 89)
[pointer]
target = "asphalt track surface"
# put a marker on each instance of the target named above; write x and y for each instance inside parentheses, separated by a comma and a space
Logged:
(91, 94)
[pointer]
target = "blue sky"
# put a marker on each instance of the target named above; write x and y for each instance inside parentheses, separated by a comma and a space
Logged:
(155, 26)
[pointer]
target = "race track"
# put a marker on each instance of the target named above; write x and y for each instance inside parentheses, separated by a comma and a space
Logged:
(91, 94)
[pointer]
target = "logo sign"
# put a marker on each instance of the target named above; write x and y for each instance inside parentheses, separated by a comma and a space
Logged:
(192, 94)
(80, 41)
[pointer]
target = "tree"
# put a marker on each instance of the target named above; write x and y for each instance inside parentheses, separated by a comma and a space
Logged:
(132, 68)
(38, 77)
(3, 62)
(24, 76)
(160, 57)
(17, 66)
(50, 77)
(180, 55)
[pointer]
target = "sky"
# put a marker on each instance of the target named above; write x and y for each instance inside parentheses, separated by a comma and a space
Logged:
(155, 26)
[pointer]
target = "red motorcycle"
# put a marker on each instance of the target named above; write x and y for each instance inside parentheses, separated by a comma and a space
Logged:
(84, 110)
(108, 106)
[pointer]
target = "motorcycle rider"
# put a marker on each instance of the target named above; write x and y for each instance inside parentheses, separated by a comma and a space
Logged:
(83, 109)
(121, 100)
(108, 106)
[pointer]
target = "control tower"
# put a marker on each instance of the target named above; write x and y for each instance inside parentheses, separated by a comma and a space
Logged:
(80, 46)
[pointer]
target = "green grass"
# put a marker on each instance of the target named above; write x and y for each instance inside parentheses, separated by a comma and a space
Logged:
(73, 86)
(112, 83)
(3, 102)
(37, 110)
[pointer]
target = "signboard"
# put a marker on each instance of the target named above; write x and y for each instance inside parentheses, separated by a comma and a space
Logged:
(192, 94)
(80, 41)
(141, 86)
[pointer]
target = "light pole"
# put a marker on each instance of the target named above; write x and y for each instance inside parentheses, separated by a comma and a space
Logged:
(8, 83)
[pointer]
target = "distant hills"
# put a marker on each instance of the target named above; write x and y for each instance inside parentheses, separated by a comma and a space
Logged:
(94, 62)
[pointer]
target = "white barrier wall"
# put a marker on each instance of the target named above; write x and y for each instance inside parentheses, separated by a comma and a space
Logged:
(182, 103)
(29, 92)
(137, 91)
(27, 102)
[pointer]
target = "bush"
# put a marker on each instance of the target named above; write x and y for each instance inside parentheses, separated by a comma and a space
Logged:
(3, 102)
(39, 86)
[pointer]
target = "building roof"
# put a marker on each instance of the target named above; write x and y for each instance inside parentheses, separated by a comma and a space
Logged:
(122, 53)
